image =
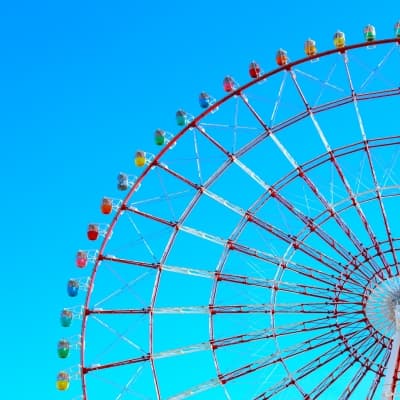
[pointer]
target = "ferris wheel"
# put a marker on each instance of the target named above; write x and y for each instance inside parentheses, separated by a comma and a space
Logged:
(254, 254)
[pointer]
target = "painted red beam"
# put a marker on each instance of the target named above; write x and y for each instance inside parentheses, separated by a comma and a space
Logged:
(345, 365)
(336, 216)
(269, 333)
(136, 360)
(363, 371)
(311, 344)
(336, 351)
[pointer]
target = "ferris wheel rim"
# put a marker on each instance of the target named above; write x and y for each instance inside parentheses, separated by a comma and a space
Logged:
(155, 161)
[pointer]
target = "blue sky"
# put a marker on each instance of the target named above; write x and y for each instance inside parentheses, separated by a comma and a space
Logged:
(83, 85)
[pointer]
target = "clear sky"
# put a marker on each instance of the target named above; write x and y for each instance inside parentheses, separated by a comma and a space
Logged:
(83, 85)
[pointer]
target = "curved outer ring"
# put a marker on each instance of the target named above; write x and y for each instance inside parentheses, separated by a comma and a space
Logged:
(171, 143)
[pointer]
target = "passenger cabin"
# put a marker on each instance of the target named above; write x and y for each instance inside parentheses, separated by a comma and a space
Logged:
(339, 39)
(181, 118)
(106, 205)
(254, 70)
(310, 47)
(93, 231)
(281, 57)
(63, 348)
(81, 259)
(229, 84)
(397, 29)
(369, 33)
(62, 382)
(204, 100)
(159, 137)
(73, 288)
(122, 181)
(140, 158)
(66, 317)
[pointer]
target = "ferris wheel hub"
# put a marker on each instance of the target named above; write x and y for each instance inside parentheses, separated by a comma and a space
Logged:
(383, 306)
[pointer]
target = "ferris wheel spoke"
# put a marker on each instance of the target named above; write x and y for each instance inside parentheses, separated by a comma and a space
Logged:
(143, 239)
(127, 286)
(369, 157)
(211, 139)
(276, 127)
(165, 267)
(116, 332)
(382, 208)
(308, 222)
(298, 288)
(311, 113)
(307, 271)
(248, 280)
(235, 120)
(364, 220)
(147, 215)
(306, 326)
(227, 309)
(277, 232)
(166, 196)
(210, 384)
(318, 229)
(181, 351)
(269, 231)
(177, 175)
(228, 126)
(278, 99)
(345, 182)
(301, 269)
(201, 188)
(157, 199)
(339, 153)
(263, 362)
(281, 355)
(325, 83)
(198, 165)
(317, 324)
(355, 102)
(239, 152)
(359, 349)
(336, 351)
(379, 375)
(126, 388)
(258, 180)
(345, 228)
(213, 309)
(364, 368)
(361, 214)
(378, 67)
(390, 174)
(342, 224)
(268, 227)
(214, 344)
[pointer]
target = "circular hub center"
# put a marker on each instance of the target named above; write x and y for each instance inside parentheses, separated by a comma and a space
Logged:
(381, 306)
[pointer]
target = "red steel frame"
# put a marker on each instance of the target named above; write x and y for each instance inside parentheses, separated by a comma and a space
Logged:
(351, 274)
